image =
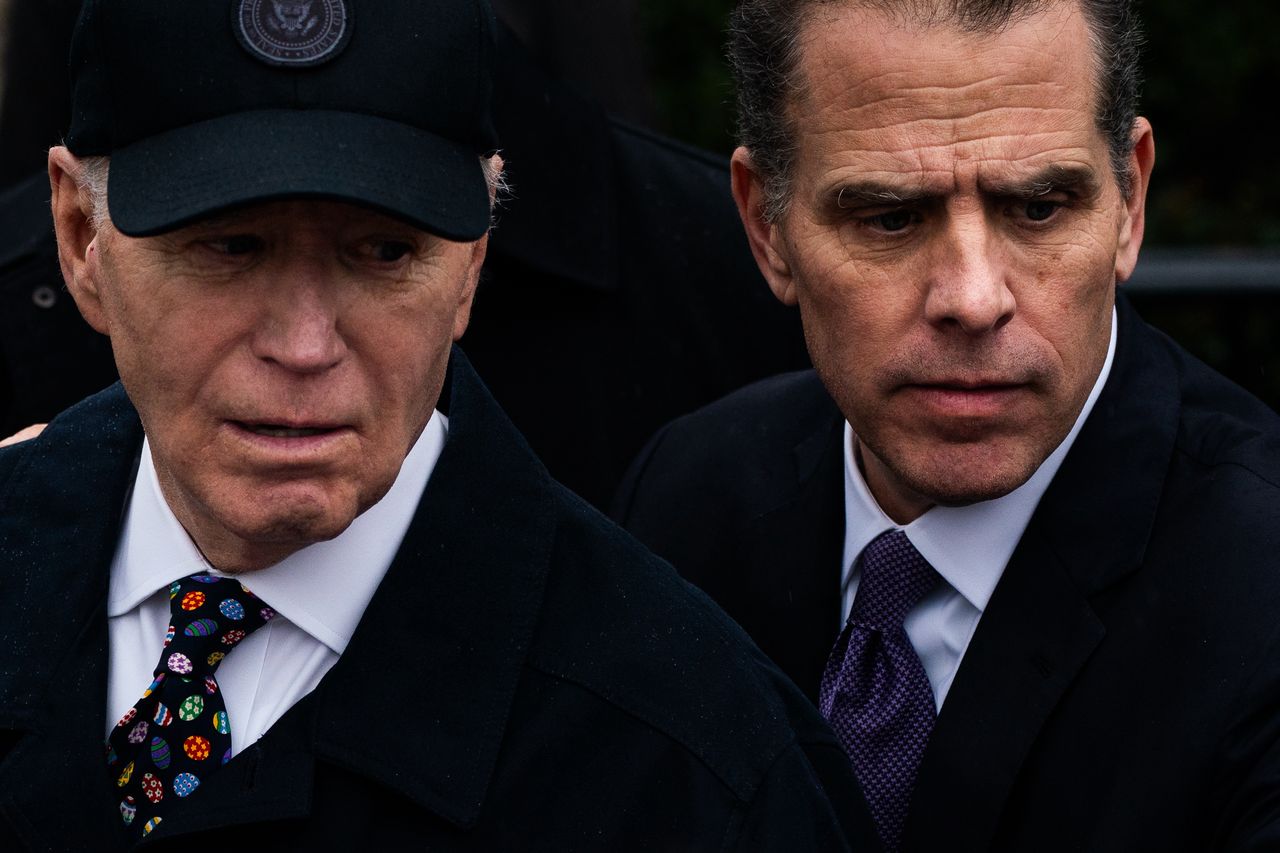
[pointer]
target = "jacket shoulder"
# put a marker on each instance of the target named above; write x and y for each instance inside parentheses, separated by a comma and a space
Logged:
(734, 452)
(619, 622)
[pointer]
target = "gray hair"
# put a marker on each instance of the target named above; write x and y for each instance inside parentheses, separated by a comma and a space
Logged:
(94, 171)
(764, 50)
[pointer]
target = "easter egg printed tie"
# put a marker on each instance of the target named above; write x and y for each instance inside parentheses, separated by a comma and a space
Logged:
(874, 691)
(178, 732)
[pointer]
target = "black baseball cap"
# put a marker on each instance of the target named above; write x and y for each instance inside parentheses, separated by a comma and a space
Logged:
(204, 105)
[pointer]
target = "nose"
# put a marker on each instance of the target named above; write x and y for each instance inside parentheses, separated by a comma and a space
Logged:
(968, 288)
(298, 329)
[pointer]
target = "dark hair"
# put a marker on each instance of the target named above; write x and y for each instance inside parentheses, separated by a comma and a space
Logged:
(764, 52)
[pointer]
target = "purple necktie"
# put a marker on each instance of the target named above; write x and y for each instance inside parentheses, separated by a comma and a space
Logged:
(874, 690)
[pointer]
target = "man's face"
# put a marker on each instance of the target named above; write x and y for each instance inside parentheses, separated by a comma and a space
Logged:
(953, 243)
(283, 359)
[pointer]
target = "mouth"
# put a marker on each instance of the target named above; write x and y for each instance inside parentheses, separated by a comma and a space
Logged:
(966, 398)
(279, 431)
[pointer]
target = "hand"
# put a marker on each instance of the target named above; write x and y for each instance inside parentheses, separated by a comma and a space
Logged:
(23, 434)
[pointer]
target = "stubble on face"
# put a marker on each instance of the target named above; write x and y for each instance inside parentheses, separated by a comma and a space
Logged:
(959, 337)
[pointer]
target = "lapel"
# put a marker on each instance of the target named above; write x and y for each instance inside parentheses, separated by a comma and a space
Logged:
(1089, 531)
(58, 530)
(787, 573)
(439, 651)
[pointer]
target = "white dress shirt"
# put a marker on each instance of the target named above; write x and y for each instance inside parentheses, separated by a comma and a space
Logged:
(319, 594)
(969, 546)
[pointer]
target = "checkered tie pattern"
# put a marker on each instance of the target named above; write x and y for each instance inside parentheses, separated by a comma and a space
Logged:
(874, 689)
(178, 732)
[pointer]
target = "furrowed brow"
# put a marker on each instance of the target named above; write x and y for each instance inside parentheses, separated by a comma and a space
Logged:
(1079, 181)
(871, 194)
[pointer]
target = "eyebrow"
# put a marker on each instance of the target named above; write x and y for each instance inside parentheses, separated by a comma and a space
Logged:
(1081, 181)
(869, 193)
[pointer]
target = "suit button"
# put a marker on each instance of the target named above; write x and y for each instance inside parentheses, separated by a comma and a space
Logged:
(44, 296)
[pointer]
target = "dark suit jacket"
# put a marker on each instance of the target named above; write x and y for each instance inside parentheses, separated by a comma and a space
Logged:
(1122, 691)
(526, 677)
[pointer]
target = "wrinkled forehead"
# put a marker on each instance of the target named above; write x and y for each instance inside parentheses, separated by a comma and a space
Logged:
(914, 57)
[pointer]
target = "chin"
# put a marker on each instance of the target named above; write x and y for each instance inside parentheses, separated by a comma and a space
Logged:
(292, 523)
(969, 475)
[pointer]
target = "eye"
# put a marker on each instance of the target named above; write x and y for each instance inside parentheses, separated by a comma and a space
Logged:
(389, 251)
(1039, 210)
(236, 244)
(894, 220)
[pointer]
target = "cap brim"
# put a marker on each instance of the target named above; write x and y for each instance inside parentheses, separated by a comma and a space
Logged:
(170, 180)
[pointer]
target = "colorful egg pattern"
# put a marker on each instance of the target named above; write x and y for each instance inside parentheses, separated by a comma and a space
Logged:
(196, 747)
(201, 628)
(192, 707)
(152, 737)
(160, 755)
(152, 787)
(185, 783)
(231, 609)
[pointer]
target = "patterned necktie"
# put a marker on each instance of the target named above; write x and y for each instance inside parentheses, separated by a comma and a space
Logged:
(874, 689)
(178, 732)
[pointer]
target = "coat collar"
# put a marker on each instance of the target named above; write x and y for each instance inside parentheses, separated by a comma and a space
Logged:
(457, 608)
(1089, 532)
(789, 553)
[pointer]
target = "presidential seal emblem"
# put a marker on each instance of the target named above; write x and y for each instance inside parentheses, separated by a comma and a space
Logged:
(292, 32)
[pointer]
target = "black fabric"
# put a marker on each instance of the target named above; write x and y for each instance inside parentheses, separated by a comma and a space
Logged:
(1121, 690)
(197, 122)
(525, 677)
(619, 291)
(49, 357)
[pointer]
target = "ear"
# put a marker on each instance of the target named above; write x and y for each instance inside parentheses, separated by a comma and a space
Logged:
(77, 237)
(1142, 159)
(764, 237)
(467, 297)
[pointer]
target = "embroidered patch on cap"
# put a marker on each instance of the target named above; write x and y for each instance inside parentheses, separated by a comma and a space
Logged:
(293, 32)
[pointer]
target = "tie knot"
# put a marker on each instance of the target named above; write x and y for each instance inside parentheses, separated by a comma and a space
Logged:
(895, 576)
(208, 617)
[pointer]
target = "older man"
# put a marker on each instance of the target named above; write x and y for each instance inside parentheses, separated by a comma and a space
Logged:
(1050, 535)
(300, 572)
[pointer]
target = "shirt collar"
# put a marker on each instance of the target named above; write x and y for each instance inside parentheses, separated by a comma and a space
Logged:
(969, 546)
(323, 588)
